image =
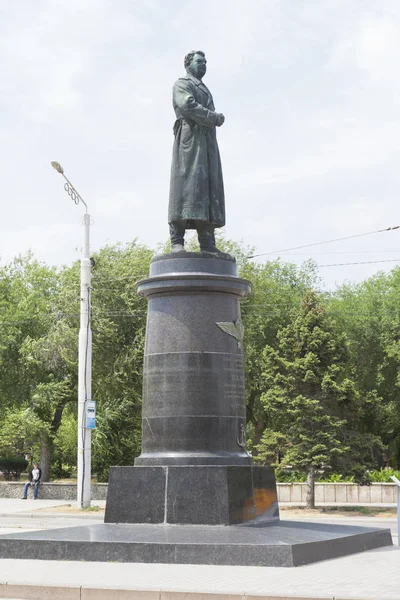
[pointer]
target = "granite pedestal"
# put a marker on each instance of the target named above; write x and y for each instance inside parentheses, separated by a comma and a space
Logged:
(194, 495)
(194, 409)
(200, 495)
(194, 467)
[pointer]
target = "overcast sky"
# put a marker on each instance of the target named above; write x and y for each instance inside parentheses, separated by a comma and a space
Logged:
(310, 148)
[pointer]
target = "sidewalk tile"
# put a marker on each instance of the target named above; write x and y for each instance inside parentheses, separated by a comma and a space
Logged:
(39, 592)
(200, 596)
(118, 594)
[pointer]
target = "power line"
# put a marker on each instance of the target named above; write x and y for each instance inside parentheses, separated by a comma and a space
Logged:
(342, 252)
(365, 262)
(348, 237)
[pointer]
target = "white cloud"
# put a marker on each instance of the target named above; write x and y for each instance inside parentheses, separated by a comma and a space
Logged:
(373, 48)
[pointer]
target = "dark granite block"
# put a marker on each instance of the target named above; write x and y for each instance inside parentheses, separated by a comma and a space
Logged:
(265, 494)
(315, 551)
(235, 554)
(136, 495)
(240, 494)
(208, 495)
(197, 495)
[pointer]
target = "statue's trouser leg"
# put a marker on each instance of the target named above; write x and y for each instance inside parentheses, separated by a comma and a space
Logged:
(177, 232)
(205, 233)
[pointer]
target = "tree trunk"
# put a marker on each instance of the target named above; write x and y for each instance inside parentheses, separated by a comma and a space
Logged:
(46, 452)
(311, 488)
(46, 449)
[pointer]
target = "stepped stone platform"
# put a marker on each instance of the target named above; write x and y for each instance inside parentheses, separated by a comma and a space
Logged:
(285, 544)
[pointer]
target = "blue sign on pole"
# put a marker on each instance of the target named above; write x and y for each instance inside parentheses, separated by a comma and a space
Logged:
(90, 414)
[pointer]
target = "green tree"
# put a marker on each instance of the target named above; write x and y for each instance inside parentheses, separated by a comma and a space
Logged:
(277, 289)
(312, 406)
(369, 313)
(119, 322)
(20, 433)
(39, 326)
(26, 288)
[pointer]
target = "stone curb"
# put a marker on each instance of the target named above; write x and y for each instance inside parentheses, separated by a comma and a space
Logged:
(45, 515)
(339, 505)
(44, 592)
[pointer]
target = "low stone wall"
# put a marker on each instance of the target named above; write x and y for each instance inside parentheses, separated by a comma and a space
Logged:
(335, 493)
(51, 491)
(339, 493)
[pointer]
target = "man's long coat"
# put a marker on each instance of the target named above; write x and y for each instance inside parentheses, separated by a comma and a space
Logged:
(197, 188)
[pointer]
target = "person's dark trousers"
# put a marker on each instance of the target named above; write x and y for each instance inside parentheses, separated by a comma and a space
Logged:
(35, 489)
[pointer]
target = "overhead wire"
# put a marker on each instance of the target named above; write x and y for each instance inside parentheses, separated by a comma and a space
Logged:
(341, 252)
(365, 262)
(348, 237)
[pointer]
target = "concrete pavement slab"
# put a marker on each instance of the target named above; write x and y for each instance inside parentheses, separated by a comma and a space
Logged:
(27, 592)
(6, 530)
(17, 505)
(368, 575)
(13, 506)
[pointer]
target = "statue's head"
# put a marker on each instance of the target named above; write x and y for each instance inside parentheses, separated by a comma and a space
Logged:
(196, 64)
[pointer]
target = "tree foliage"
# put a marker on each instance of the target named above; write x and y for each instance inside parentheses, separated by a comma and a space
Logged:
(312, 405)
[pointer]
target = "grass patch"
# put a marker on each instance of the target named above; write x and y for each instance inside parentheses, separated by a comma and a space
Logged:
(358, 510)
(94, 508)
(337, 511)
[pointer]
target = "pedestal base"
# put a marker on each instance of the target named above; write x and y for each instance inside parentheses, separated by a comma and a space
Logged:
(287, 544)
(201, 495)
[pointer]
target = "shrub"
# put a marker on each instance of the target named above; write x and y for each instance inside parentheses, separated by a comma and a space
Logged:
(283, 476)
(12, 467)
(336, 478)
(383, 475)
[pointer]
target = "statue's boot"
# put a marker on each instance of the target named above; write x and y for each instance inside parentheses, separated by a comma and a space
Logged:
(205, 233)
(177, 233)
(178, 248)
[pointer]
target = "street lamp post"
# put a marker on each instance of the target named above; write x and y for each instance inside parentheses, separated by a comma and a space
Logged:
(85, 355)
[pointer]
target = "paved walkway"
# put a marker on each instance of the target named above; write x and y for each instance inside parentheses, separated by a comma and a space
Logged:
(373, 574)
(369, 575)
(10, 506)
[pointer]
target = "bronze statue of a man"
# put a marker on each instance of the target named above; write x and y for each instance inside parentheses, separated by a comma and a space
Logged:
(196, 199)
